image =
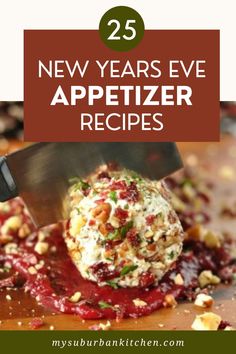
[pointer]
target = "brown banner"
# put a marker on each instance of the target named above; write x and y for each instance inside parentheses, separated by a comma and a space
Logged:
(165, 89)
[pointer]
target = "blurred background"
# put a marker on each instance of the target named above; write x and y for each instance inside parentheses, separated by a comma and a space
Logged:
(11, 125)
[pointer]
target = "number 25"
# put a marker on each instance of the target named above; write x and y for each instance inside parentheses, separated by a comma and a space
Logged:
(128, 28)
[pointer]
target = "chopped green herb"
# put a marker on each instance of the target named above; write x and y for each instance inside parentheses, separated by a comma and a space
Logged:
(113, 196)
(186, 181)
(79, 183)
(126, 228)
(112, 284)
(5, 269)
(127, 180)
(127, 269)
(104, 305)
(137, 178)
(78, 210)
(113, 235)
(126, 206)
(109, 259)
(171, 254)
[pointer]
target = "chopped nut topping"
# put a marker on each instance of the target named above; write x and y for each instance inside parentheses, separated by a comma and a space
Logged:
(76, 223)
(149, 234)
(32, 270)
(75, 297)
(41, 236)
(101, 326)
(139, 303)
(10, 248)
(170, 301)
(24, 231)
(208, 278)
(208, 321)
(41, 247)
(212, 240)
(39, 265)
(12, 223)
(203, 300)
(4, 239)
(178, 279)
(199, 233)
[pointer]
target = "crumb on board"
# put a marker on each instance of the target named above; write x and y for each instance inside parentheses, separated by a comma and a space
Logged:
(203, 300)
(139, 303)
(101, 326)
(208, 321)
(206, 277)
(36, 323)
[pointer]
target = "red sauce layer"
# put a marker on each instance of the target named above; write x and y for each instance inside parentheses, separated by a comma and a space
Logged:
(58, 279)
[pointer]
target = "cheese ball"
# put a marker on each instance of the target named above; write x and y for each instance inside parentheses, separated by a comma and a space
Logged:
(123, 231)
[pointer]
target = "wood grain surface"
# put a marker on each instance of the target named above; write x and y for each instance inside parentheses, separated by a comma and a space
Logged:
(218, 160)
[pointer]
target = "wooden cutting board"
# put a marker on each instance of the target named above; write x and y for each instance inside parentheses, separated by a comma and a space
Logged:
(219, 161)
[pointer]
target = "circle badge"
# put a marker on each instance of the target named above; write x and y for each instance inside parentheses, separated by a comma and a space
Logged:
(121, 28)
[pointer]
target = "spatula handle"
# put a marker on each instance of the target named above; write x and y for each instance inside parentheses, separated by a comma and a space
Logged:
(8, 189)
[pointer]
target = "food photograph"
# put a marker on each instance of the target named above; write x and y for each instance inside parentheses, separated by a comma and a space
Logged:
(117, 236)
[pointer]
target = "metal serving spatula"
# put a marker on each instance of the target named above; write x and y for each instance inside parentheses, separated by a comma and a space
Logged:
(40, 173)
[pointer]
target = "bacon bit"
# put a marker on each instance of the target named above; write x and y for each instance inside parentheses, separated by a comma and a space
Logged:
(104, 175)
(150, 219)
(100, 201)
(131, 194)
(121, 214)
(133, 237)
(223, 325)
(101, 326)
(108, 245)
(109, 227)
(36, 323)
(146, 279)
(116, 185)
(112, 166)
(102, 272)
(92, 222)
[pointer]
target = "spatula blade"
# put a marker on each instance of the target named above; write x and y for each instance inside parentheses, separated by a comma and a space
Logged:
(42, 171)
